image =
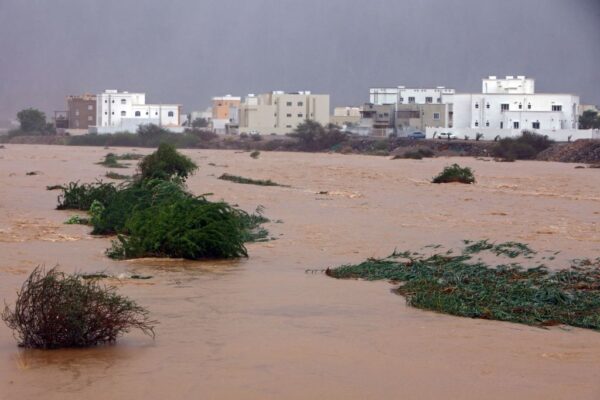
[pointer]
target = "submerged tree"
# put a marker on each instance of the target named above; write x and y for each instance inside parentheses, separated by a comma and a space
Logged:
(32, 120)
(55, 310)
(166, 163)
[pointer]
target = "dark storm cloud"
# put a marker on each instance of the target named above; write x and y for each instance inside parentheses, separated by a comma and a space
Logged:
(186, 51)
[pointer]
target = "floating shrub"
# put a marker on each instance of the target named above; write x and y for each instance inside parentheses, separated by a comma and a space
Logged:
(77, 220)
(189, 227)
(114, 175)
(76, 196)
(54, 187)
(166, 163)
(112, 161)
(455, 173)
(55, 310)
(457, 285)
(255, 154)
(249, 181)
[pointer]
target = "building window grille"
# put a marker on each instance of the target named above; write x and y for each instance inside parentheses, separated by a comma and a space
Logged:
(503, 107)
(436, 116)
(123, 113)
(138, 114)
(556, 108)
(171, 114)
(90, 107)
(401, 99)
(536, 125)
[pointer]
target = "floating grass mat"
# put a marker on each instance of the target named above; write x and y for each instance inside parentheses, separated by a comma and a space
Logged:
(459, 285)
(114, 175)
(248, 181)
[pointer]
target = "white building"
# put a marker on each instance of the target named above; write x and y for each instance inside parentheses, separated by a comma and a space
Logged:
(125, 112)
(403, 95)
(512, 104)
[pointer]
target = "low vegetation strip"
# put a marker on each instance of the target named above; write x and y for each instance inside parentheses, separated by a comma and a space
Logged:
(459, 285)
(249, 181)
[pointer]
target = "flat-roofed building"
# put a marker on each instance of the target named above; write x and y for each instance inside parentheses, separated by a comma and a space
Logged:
(81, 111)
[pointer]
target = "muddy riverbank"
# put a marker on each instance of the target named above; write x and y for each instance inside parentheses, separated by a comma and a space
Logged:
(262, 327)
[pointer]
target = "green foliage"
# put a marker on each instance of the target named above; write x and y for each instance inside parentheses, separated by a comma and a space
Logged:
(204, 135)
(32, 121)
(200, 123)
(416, 154)
(589, 120)
(457, 285)
(54, 187)
(255, 154)
(455, 173)
(112, 161)
(55, 310)
(114, 175)
(166, 163)
(249, 181)
(77, 220)
(76, 196)
(525, 147)
(314, 137)
(190, 228)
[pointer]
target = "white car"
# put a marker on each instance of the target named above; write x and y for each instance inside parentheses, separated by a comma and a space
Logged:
(447, 136)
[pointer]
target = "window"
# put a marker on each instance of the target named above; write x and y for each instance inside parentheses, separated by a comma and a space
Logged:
(112, 101)
(112, 113)
(529, 106)
(487, 123)
(89, 117)
(536, 125)
(436, 116)
(123, 101)
(300, 115)
(516, 125)
(288, 126)
(428, 99)
(106, 101)
(520, 106)
(77, 112)
(503, 107)
(401, 99)
(105, 113)
(411, 99)
(476, 105)
(146, 112)
(439, 100)
(90, 107)
(155, 112)
(171, 114)
(476, 123)
(289, 104)
(487, 105)
(138, 114)
(501, 125)
(300, 104)
(288, 115)
(556, 108)
(123, 113)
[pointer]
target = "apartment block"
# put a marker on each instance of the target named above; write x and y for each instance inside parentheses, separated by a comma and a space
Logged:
(280, 112)
(81, 111)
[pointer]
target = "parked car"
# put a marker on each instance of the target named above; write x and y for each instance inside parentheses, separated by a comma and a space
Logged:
(447, 136)
(416, 135)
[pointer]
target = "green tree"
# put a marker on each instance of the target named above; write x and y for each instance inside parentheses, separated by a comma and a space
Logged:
(166, 163)
(32, 120)
(589, 120)
(200, 123)
(314, 136)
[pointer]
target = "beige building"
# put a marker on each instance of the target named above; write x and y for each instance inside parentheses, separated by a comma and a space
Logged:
(345, 116)
(281, 113)
(416, 117)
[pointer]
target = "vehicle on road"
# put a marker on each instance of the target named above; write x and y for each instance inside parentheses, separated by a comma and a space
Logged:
(416, 135)
(447, 136)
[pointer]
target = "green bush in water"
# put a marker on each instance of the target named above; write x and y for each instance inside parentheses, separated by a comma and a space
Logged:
(76, 196)
(455, 173)
(189, 227)
(166, 163)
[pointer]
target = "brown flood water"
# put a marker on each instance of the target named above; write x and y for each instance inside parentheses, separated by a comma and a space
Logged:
(262, 328)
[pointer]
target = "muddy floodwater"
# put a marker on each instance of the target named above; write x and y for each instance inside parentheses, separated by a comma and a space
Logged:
(264, 328)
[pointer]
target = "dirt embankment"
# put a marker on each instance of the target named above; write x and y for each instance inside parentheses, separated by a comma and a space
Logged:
(580, 151)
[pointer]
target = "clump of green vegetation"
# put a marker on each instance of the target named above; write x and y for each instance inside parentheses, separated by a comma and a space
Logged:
(455, 173)
(76, 196)
(154, 216)
(166, 163)
(313, 136)
(255, 154)
(55, 310)
(458, 285)
(54, 187)
(249, 181)
(116, 176)
(525, 147)
(130, 156)
(112, 161)
(77, 220)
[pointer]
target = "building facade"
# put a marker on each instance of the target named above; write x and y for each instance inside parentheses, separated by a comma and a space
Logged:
(344, 116)
(280, 112)
(404, 95)
(125, 112)
(81, 111)
(512, 103)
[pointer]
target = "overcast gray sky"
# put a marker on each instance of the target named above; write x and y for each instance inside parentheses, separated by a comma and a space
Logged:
(186, 51)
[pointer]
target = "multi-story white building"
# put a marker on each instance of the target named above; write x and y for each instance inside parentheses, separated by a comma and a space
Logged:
(280, 112)
(512, 104)
(403, 95)
(125, 112)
